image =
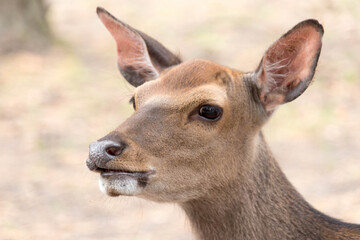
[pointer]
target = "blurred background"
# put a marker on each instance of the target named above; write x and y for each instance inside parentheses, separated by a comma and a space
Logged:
(60, 90)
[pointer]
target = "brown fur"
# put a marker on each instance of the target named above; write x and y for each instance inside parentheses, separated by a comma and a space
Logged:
(221, 172)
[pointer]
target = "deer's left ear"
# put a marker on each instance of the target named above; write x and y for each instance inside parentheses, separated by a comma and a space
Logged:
(288, 66)
(140, 57)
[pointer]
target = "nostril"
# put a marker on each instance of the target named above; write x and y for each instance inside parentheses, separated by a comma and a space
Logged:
(114, 151)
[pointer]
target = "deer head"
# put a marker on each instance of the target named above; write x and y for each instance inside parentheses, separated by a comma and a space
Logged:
(196, 124)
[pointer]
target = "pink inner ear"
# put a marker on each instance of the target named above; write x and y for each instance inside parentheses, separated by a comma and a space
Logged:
(289, 64)
(131, 48)
(289, 61)
(305, 58)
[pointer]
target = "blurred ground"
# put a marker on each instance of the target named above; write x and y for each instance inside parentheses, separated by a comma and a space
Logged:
(54, 104)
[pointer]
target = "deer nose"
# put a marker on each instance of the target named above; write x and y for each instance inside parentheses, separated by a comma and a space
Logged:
(101, 152)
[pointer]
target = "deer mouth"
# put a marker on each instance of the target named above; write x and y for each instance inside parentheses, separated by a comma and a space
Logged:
(116, 182)
(120, 181)
(107, 173)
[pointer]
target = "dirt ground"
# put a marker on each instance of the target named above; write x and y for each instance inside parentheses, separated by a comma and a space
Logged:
(53, 104)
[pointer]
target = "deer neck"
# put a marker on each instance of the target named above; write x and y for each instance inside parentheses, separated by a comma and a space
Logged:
(261, 204)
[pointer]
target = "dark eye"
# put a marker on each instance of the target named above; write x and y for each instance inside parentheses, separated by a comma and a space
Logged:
(132, 101)
(210, 112)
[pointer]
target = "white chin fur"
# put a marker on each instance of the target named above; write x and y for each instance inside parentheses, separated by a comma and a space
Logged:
(121, 186)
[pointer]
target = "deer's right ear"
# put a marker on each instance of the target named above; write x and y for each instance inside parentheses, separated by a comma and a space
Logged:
(140, 57)
(288, 66)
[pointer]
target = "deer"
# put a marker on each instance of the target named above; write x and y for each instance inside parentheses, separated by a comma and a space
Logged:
(195, 138)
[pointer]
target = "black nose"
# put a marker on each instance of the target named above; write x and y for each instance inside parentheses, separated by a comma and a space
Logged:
(100, 152)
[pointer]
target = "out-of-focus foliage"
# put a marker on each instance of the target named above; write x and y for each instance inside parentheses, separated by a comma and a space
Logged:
(23, 25)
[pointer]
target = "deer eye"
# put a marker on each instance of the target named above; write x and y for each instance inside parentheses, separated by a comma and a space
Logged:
(209, 112)
(132, 101)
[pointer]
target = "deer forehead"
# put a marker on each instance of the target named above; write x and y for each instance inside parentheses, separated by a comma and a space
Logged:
(196, 81)
(204, 94)
(195, 73)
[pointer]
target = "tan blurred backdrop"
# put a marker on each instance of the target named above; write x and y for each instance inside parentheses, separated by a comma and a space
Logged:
(56, 99)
